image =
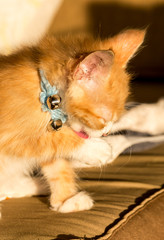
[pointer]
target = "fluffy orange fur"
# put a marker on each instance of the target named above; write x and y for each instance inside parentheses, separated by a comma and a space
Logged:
(23, 125)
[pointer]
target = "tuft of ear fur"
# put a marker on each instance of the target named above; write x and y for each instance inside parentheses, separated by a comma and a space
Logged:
(125, 44)
(94, 69)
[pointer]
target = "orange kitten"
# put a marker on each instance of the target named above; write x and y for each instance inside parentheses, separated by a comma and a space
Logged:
(92, 86)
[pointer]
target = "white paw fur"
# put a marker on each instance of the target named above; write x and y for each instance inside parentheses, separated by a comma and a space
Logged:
(79, 202)
(95, 152)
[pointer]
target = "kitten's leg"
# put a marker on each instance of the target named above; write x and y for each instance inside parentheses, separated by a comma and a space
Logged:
(94, 152)
(23, 187)
(83, 152)
(16, 181)
(64, 193)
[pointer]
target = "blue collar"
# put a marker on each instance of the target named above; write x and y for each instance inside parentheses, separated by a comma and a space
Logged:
(47, 91)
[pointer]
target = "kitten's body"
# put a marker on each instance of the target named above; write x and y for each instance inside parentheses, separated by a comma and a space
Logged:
(93, 85)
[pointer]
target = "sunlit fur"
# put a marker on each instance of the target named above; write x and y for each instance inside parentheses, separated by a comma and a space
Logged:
(24, 138)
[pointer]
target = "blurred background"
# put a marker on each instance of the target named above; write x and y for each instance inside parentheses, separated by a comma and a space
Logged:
(24, 22)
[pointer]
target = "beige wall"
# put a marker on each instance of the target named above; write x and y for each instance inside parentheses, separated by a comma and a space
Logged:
(108, 17)
(25, 21)
(74, 15)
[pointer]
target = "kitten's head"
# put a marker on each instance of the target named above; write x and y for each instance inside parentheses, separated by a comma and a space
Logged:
(92, 79)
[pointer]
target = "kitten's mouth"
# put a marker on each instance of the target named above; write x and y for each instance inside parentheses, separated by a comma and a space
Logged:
(85, 132)
(82, 134)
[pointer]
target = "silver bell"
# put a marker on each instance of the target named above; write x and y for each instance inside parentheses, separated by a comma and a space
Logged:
(53, 101)
(54, 125)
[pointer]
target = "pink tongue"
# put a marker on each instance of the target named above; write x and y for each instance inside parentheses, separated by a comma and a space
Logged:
(82, 134)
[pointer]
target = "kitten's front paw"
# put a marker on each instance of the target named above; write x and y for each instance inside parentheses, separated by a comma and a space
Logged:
(79, 202)
(95, 152)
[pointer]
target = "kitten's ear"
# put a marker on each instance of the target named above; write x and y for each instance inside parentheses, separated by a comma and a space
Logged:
(94, 69)
(126, 44)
